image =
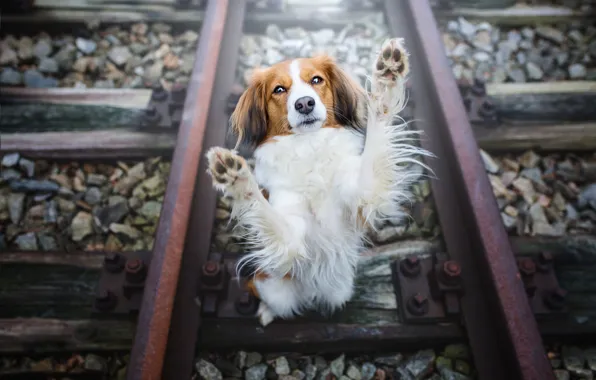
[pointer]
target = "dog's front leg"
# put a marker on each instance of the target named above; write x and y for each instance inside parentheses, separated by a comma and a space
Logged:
(384, 176)
(274, 245)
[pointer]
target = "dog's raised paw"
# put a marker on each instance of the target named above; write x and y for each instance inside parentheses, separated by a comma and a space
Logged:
(392, 61)
(226, 167)
(265, 314)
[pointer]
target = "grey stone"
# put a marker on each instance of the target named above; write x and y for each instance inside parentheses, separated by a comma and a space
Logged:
(47, 242)
(93, 196)
(27, 166)
(282, 367)
(447, 374)
(534, 71)
(353, 373)
(96, 179)
(119, 55)
(368, 371)
(508, 221)
(550, 34)
(577, 71)
(587, 197)
(208, 371)
(390, 360)
(517, 75)
(466, 28)
(489, 164)
(32, 185)
(227, 368)
(10, 77)
(125, 230)
(240, 359)
(338, 366)
(421, 364)
(35, 79)
(11, 159)
(8, 56)
(81, 226)
(528, 33)
(151, 209)
(108, 83)
(256, 372)
(95, 363)
(48, 66)
(138, 48)
(253, 358)
(51, 212)
(86, 46)
(27, 242)
(42, 49)
(311, 371)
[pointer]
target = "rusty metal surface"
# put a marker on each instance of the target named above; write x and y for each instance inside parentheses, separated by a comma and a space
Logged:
(148, 352)
(429, 288)
(499, 321)
(187, 314)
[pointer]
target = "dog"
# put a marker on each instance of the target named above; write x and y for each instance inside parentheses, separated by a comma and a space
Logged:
(329, 164)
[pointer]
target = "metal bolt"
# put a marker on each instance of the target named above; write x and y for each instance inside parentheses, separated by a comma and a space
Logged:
(136, 270)
(246, 303)
(478, 88)
(450, 273)
(545, 261)
(555, 299)
(417, 304)
(527, 267)
(212, 273)
(151, 115)
(106, 300)
(410, 267)
(159, 94)
(113, 262)
(487, 110)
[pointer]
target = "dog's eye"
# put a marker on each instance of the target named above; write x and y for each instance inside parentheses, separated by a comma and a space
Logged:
(316, 80)
(279, 90)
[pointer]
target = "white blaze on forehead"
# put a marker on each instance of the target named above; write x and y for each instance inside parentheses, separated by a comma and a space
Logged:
(298, 90)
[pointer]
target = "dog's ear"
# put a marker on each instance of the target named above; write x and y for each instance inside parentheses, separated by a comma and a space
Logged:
(348, 96)
(249, 119)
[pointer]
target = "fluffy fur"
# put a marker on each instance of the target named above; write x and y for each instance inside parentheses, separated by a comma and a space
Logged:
(330, 174)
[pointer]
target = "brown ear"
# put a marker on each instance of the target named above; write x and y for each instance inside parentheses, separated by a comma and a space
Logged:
(348, 96)
(249, 119)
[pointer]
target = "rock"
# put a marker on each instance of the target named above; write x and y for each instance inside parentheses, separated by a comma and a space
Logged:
(81, 226)
(47, 242)
(529, 159)
(135, 175)
(550, 34)
(508, 221)
(189, 37)
(337, 366)
(368, 371)
(119, 55)
(534, 71)
(517, 75)
(253, 358)
(10, 160)
(447, 374)
(27, 166)
(66, 206)
(10, 77)
(489, 164)
(95, 363)
(125, 230)
(151, 209)
(9, 174)
(109, 83)
(48, 66)
(353, 373)
(85, 46)
(96, 179)
(35, 79)
(93, 196)
(27, 242)
(466, 28)
(587, 197)
(457, 351)
(508, 177)
(51, 212)
(154, 73)
(113, 213)
(34, 186)
(256, 372)
(42, 49)
(577, 71)
(282, 367)
(227, 368)
(8, 56)
(207, 370)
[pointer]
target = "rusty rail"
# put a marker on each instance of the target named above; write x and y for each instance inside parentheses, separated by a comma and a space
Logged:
(501, 327)
(147, 356)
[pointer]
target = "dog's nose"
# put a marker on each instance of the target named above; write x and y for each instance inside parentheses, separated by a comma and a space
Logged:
(305, 105)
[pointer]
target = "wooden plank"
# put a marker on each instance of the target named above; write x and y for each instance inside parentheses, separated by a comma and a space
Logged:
(59, 18)
(40, 335)
(120, 98)
(90, 144)
(568, 250)
(518, 15)
(556, 137)
(88, 260)
(561, 87)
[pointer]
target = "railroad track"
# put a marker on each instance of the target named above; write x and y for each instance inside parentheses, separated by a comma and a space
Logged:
(112, 239)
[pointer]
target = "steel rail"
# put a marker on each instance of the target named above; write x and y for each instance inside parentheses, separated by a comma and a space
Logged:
(186, 317)
(148, 352)
(501, 327)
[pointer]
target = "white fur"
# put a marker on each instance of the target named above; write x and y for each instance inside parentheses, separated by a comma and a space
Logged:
(298, 90)
(318, 181)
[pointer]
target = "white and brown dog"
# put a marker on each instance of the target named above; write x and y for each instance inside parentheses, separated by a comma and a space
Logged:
(332, 163)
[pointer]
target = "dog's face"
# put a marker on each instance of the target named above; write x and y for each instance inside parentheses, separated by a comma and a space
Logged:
(295, 97)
